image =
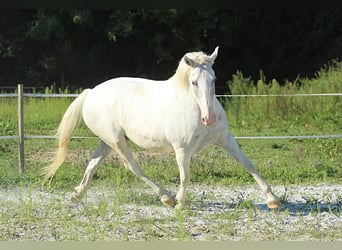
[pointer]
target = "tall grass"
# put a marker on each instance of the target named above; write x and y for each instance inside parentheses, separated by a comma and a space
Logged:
(287, 113)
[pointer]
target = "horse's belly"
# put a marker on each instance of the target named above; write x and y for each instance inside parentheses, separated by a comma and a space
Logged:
(149, 141)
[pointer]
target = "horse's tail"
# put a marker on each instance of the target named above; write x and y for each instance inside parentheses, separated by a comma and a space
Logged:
(71, 119)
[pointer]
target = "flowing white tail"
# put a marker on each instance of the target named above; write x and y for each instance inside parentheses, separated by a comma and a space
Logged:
(70, 121)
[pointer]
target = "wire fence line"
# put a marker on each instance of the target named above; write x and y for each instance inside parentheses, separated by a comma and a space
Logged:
(270, 137)
(266, 137)
(283, 95)
(256, 95)
(40, 95)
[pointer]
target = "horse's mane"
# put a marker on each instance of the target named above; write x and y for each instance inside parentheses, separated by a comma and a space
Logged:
(180, 77)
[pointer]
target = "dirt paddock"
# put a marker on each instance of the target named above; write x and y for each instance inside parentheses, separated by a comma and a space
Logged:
(212, 213)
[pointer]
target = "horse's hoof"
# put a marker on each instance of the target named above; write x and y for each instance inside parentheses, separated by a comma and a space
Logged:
(168, 201)
(179, 206)
(273, 204)
(74, 197)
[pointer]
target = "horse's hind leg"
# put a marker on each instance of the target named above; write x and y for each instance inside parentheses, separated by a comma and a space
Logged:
(100, 153)
(230, 145)
(130, 163)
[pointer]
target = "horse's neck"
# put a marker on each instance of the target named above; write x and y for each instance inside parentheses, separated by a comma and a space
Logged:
(180, 78)
(182, 98)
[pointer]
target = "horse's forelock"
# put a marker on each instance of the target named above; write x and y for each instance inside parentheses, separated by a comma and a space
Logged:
(200, 58)
(182, 72)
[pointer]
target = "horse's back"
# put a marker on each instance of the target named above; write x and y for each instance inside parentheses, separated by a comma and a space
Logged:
(133, 106)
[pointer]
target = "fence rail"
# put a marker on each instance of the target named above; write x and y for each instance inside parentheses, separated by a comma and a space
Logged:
(21, 137)
(40, 95)
(283, 95)
(258, 137)
(271, 95)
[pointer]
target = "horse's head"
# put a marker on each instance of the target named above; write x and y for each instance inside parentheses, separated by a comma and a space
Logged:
(202, 83)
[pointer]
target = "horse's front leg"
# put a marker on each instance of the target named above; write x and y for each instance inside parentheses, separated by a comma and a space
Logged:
(230, 145)
(183, 161)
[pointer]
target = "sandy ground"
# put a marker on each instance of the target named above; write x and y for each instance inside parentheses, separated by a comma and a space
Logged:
(209, 208)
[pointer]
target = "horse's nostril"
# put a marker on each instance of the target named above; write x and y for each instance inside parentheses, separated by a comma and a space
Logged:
(208, 121)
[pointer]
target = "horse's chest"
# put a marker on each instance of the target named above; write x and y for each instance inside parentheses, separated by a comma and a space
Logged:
(201, 139)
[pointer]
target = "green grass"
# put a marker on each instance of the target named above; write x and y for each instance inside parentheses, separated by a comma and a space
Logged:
(287, 114)
(279, 162)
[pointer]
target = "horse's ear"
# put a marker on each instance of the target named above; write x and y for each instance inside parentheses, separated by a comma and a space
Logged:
(214, 54)
(189, 61)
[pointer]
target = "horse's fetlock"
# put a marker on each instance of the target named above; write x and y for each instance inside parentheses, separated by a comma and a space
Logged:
(180, 206)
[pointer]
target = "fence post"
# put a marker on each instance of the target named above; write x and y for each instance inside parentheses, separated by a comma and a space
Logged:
(21, 128)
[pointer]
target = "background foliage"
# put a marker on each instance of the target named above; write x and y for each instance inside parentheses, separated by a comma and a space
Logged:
(80, 48)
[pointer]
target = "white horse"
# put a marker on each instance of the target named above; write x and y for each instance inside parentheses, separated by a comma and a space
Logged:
(180, 114)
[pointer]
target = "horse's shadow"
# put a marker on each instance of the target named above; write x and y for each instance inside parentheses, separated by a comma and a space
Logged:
(293, 208)
(304, 208)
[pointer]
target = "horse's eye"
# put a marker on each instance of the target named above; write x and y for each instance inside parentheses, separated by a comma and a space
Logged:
(194, 83)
